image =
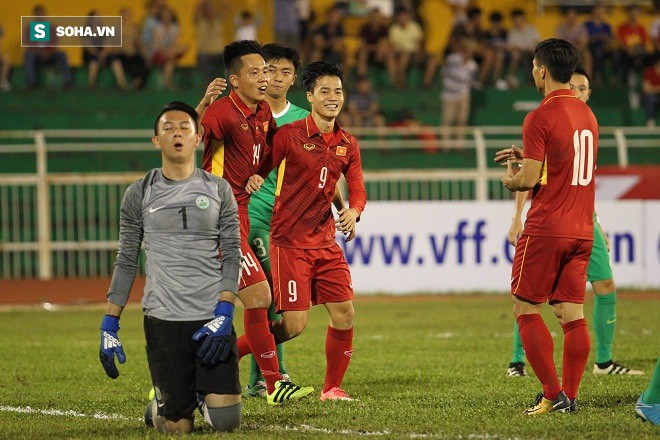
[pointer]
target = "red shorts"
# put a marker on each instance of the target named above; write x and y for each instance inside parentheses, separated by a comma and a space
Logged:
(252, 272)
(550, 269)
(301, 276)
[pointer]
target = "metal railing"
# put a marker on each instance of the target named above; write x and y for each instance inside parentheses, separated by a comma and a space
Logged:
(65, 224)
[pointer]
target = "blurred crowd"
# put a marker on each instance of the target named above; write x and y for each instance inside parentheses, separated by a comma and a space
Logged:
(480, 52)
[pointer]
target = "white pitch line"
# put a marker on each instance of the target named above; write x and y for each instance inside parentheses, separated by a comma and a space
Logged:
(67, 413)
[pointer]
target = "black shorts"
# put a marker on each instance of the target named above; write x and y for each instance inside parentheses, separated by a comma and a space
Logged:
(176, 372)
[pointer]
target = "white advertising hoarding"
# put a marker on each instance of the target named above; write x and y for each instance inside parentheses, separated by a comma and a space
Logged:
(409, 247)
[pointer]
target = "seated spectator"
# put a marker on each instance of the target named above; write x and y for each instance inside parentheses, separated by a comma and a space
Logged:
(600, 37)
(328, 39)
(654, 30)
(5, 65)
(167, 50)
(521, 42)
(458, 73)
(131, 53)
(375, 44)
(247, 26)
(95, 55)
(406, 38)
(459, 9)
(363, 106)
(287, 26)
(651, 91)
(496, 37)
(210, 38)
(427, 139)
(36, 56)
(632, 40)
(152, 19)
(575, 33)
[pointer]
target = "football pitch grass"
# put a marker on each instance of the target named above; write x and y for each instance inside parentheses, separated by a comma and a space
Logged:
(423, 367)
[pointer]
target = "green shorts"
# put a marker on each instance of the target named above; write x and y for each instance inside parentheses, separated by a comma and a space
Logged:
(599, 264)
(259, 239)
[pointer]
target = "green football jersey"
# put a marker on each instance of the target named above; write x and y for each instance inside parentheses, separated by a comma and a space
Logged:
(261, 204)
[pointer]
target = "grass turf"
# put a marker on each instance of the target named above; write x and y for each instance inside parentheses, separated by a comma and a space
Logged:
(423, 367)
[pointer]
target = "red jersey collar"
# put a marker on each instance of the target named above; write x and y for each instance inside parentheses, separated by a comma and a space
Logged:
(313, 130)
(560, 93)
(241, 106)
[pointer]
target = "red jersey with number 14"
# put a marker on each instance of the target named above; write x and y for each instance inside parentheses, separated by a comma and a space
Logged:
(310, 166)
(563, 134)
(235, 139)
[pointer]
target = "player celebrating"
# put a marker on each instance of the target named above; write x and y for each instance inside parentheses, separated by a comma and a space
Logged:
(309, 264)
(550, 264)
(237, 132)
(184, 216)
(599, 273)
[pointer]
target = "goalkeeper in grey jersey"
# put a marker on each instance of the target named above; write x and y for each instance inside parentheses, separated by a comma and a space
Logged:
(188, 222)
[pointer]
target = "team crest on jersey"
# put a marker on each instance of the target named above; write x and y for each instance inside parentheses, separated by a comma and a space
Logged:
(266, 126)
(244, 126)
(202, 202)
(341, 150)
(309, 147)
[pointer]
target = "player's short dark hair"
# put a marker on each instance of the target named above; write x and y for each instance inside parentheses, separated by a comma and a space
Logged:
(559, 56)
(581, 71)
(273, 51)
(180, 106)
(517, 13)
(317, 69)
(473, 12)
(495, 16)
(234, 51)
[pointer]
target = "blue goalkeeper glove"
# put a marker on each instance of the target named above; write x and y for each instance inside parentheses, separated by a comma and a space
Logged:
(110, 346)
(217, 334)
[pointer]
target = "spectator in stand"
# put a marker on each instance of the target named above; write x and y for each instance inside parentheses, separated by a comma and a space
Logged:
(496, 37)
(328, 39)
(459, 8)
(428, 140)
(375, 45)
(406, 38)
(167, 49)
(304, 16)
(521, 42)
(287, 26)
(37, 55)
(600, 43)
(247, 26)
(654, 31)
(632, 40)
(363, 106)
(95, 55)
(575, 33)
(5, 65)
(651, 90)
(457, 75)
(154, 9)
(210, 37)
(131, 53)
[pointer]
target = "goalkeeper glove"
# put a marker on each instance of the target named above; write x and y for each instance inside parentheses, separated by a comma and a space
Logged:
(110, 346)
(217, 334)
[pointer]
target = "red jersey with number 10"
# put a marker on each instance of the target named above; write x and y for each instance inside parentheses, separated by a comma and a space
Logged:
(310, 167)
(235, 141)
(563, 134)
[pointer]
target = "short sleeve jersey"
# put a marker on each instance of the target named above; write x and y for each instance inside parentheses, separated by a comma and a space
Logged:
(563, 134)
(235, 141)
(309, 167)
(262, 201)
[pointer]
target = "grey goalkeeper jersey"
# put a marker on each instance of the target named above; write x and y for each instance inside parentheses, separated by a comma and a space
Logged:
(192, 241)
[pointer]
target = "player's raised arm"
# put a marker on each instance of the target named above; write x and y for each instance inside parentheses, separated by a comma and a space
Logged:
(214, 89)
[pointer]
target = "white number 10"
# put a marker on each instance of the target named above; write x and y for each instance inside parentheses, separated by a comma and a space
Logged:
(583, 161)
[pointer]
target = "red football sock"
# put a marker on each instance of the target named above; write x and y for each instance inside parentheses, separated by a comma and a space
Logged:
(243, 346)
(538, 346)
(261, 344)
(338, 351)
(576, 353)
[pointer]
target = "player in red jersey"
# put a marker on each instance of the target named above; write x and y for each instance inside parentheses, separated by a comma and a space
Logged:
(307, 264)
(237, 133)
(558, 163)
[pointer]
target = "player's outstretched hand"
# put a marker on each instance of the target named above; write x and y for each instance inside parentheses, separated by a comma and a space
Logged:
(254, 183)
(217, 334)
(110, 346)
(214, 89)
(345, 222)
(513, 153)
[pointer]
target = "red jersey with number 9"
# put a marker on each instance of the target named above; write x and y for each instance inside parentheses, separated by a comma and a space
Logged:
(563, 134)
(236, 140)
